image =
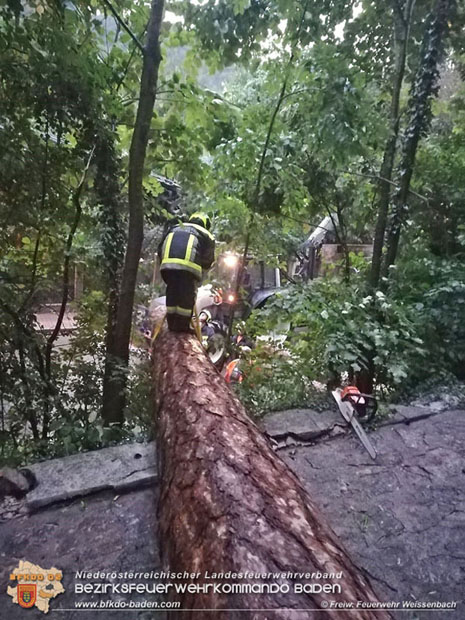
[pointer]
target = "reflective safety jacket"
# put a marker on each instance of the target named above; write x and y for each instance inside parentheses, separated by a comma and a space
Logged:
(187, 247)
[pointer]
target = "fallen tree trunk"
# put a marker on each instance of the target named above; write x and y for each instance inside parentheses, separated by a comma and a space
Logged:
(229, 503)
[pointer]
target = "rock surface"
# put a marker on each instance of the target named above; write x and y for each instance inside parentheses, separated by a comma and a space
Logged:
(300, 424)
(13, 482)
(120, 468)
(402, 518)
(403, 414)
(104, 532)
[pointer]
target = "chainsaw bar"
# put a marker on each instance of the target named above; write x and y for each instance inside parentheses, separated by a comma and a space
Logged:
(348, 413)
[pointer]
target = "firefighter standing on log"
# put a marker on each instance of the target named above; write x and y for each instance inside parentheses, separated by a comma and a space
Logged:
(186, 251)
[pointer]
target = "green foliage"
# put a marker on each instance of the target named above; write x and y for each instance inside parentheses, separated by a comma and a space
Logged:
(140, 413)
(304, 107)
(414, 332)
(338, 328)
(75, 424)
(227, 32)
(435, 288)
(273, 382)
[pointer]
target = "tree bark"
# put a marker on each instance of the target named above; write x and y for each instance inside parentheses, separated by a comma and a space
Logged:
(419, 112)
(402, 18)
(229, 503)
(114, 397)
(113, 240)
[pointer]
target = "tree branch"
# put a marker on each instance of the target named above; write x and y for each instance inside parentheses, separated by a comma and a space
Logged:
(125, 26)
(128, 64)
(69, 242)
(256, 195)
(42, 208)
(31, 336)
(277, 108)
(65, 291)
(379, 178)
(29, 409)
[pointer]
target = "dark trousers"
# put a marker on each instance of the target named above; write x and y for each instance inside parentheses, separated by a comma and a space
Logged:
(181, 289)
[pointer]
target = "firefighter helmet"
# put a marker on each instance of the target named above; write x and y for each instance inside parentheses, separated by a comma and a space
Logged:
(202, 219)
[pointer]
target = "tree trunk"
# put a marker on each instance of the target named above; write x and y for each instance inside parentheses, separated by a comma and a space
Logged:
(114, 396)
(229, 503)
(424, 88)
(113, 241)
(402, 19)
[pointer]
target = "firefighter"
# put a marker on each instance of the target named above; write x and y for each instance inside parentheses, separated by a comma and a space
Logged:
(185, 253)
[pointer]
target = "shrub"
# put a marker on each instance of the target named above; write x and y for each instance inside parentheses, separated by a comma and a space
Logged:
(337, 328)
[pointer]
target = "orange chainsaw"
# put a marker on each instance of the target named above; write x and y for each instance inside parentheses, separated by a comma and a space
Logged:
(352, 404)
(365, 405)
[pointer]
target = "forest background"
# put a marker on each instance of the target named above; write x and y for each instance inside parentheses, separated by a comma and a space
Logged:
(270, 114)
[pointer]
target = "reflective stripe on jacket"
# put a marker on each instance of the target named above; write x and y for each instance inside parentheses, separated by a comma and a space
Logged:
(188, 247)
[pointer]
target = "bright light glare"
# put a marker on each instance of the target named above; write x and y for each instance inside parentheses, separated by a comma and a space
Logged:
(172, 18)
(231, 298)
(230, 260)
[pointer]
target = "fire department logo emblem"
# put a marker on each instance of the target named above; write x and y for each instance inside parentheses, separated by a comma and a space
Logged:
(34, 586)
(27, 594)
